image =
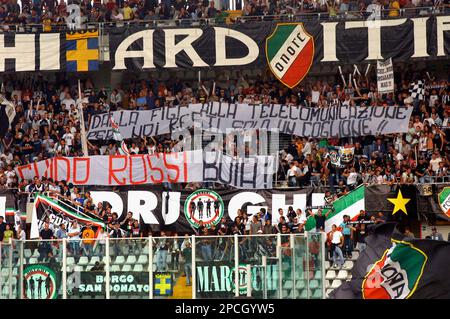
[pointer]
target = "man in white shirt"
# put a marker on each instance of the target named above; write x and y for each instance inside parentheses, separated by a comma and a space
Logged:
(352, 178)
(435, 160)
(337, 242)
(301, 216)
(74, 237)
(292, 174)
(67, 101)
(68, 137)
(306, 147)
(10, 175)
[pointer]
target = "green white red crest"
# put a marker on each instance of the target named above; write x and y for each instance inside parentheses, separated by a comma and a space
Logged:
(210, 214)
(397, 274)
(290, 53)
(39, 282)
(444, 201)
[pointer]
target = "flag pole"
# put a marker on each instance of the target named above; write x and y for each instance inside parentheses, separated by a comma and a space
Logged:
(82, 127)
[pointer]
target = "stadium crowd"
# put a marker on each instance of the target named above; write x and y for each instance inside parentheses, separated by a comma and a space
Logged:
(53, 12)
(47, 124)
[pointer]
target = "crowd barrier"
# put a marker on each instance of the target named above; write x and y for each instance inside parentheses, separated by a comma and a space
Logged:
(223, 20)
(198, 267)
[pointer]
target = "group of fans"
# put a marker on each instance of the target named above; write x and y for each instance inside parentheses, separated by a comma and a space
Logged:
(51, 13)
(47, 124)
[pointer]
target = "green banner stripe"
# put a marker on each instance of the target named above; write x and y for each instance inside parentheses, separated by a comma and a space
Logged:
(410, 260)
(277, 40)
(339, 205)
(444, 194)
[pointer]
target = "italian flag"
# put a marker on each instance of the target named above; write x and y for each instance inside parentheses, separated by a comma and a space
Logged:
(349, 204)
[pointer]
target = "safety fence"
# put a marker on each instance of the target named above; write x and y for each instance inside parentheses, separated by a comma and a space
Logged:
(203, 267)
(224, 20)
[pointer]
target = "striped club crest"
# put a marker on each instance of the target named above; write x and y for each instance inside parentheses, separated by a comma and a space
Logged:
(290, 53)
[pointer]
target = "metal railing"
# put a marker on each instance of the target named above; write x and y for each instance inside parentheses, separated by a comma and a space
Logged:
(173, 22)
(260, 266)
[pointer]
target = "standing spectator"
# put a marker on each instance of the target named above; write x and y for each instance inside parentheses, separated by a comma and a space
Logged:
(320, 219)
(61, 233)
(161, 253)
(337, 242)
(2, 227)
(20, 233)
(187, 256)
(361, 235)
(88, 240)
(347, 231)
(74, 238)
(45, 235)
(8, 235)
(101, 242)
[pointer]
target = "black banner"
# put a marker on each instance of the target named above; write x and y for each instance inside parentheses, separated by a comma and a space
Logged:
(345, 42)
(179, 211)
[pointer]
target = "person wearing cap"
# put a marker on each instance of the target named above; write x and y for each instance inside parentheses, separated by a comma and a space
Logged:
(435, 235)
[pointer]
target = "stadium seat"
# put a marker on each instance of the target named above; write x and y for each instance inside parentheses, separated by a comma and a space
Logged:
(143, 259)
(138, 267)
(342, 275)
(300, 284)
(126, 268)
(5, 272)
(329, 291)
(302, 294)
(331, 274)
(32, 260)
(27, 253)
(348, 264)
(120, 260)
(318, 274)
(287, 284)
(83, 261)
(314, 284)
(355, 255)
(35, 253)
(94, 260)
(5, 291)
(317, 294)
(104, 259)
(115, 268)
(336, 283)
(79, 268)
(70, 261)
(131, 260)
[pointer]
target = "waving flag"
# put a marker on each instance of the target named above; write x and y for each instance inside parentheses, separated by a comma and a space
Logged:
(394, 267)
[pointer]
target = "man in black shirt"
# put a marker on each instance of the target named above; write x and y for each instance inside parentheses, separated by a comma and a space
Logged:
(46, 234)
(363, 216)
(320, 219)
